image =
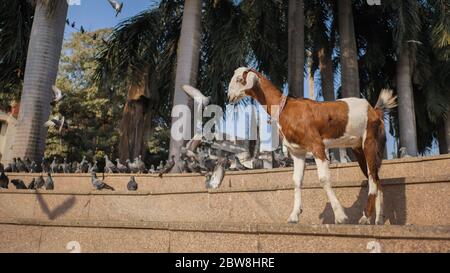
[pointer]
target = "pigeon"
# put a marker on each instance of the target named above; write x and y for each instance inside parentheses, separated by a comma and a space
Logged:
(44, 166)
(208, 164)
(54, 166)
(8, 169)
(213, 181)
(32, 185)
(14, 166)
(93, 168)
(82, 30)
(141, 165)
(152, 169)
(120, 167)
(109, 166)
(257, 163)
(49, 185)
(65, 166)
(83, 167)
(133, 166)
(132, 185)
(404, 153)
(193, 166)
(239, 165)
(4, 181)
(57, 95)
(161, 165)
(197, 96)
(39, 183)
(60, 123)
(27, 163)
(21, 166)
(116, 6)
(333, 159)
(99, 184)
(33, 167)
(168, 167)
(19, 184)
(183, 165)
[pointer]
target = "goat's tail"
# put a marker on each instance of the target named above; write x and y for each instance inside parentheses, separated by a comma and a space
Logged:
(386, 102)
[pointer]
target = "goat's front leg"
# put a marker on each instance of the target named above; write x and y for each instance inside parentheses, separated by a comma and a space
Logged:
(324, 178)
(299, 169)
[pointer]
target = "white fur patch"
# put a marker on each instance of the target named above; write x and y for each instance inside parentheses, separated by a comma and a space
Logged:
(355, 131)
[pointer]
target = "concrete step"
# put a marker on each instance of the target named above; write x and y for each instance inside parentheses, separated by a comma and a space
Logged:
(31, 235)
(416, 192)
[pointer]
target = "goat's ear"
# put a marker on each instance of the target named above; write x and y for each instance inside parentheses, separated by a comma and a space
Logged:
(251, 79)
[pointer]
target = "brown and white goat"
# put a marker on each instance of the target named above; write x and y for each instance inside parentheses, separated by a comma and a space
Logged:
(310, 126)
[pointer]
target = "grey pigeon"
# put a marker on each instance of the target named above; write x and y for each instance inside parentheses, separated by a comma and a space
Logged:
(4, 181)
(54, 166)
(120, 167)
(152, 169)
(239, 166)
(14, 166)
(33, 167)
(141, 165)
(57, 95)
(8, 169)
(116, 6)
(44, 166)
(194, 166)
(109, 166)
(99, 184)
(49, 185)
(65, 166)
(93, 168)
(19, 184)
(215, 180)
(168, 167)
(161, 166)
(32, 185)
(27, 163)
(40, 182)
(21, 166)
(133, 166)
(83, 167)
(58, 123)
(132, 185)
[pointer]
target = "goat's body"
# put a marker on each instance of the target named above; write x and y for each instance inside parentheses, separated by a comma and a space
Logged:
(310, 126)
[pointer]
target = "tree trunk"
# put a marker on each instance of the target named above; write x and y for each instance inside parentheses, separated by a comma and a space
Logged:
(311, 90)
(326, 74)
(447, 131)
(44, 50)
(296, 46)
(406, 113)
(187, 66)
(349, 56)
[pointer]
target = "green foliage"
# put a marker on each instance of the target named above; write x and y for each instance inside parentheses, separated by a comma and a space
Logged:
(93, 114)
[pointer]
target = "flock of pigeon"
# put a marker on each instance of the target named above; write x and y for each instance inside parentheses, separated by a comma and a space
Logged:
(49, 184)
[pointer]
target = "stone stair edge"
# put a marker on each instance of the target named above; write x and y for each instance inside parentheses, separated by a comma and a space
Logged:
(381, 232)
(275, 187)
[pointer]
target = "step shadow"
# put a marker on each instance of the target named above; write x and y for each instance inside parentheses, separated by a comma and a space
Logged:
(394, 204)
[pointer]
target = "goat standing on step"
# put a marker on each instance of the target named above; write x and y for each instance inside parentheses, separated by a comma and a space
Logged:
(310, 126)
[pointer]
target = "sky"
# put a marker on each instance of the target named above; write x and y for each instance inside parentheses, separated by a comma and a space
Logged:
(97, 14)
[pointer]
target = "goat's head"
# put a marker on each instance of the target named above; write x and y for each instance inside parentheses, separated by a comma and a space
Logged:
(243, 81)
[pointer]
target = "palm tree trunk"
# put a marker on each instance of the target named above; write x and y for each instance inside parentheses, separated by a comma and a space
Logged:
(406, 113)
(326, 74)
(311, 76)
(40, 74)
(447, 131)
(349, 56)
(296, 46)
(187, 66)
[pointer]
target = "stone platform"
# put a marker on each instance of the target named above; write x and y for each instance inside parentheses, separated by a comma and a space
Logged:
(246, 214)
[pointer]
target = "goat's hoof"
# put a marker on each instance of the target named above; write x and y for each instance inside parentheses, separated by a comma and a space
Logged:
(341, 220)
(364, 221)
(379, 222)
(293, 219)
